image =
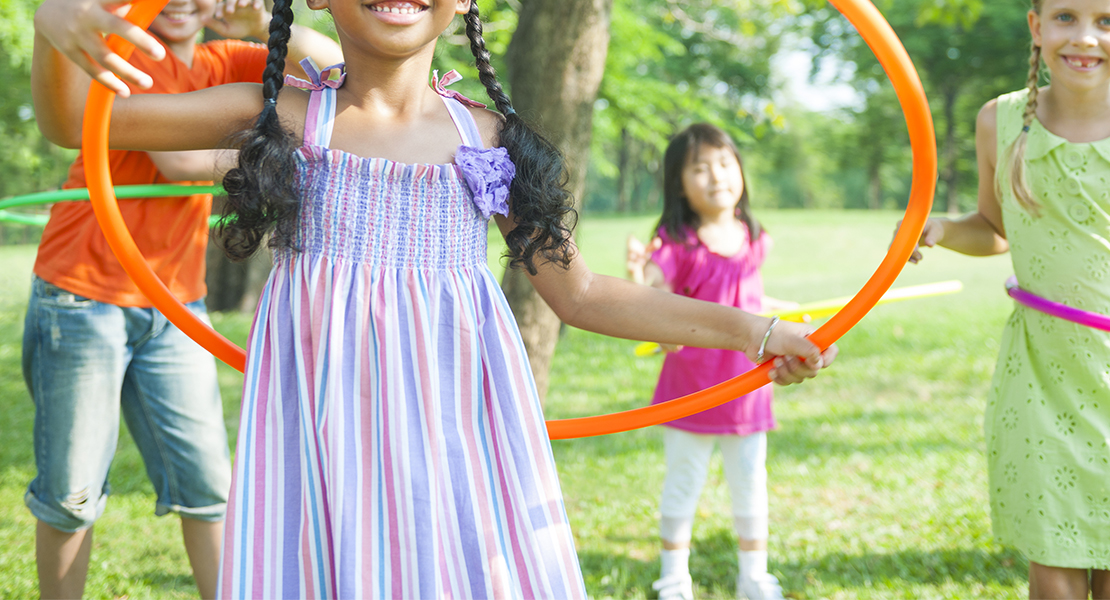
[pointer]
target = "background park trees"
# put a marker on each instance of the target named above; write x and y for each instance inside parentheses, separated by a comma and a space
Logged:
(611, 80)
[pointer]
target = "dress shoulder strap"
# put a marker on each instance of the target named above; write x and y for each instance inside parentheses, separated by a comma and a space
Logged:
(320, 119)
(322, 83)
(457, 105)
(464, 122)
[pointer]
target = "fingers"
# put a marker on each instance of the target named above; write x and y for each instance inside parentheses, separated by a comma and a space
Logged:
(77, 29)
(796, 358)
(239, 19)
(634, 245)
(931, 235)
(788, 370)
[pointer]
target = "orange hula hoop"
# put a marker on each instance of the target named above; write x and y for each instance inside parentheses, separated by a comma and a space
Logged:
(874, 29)
(94, 145)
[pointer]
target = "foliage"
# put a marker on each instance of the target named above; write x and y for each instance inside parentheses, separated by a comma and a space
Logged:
(29, 163)
(673, 63)
(965, 55)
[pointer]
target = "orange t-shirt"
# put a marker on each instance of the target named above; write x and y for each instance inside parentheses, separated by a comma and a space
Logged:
(172, 233)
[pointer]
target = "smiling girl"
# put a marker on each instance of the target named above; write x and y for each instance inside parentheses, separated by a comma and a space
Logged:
(1044, 168)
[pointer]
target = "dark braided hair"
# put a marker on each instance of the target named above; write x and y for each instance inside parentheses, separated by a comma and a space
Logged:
(538, 195)
(260, 191)
(677, 214)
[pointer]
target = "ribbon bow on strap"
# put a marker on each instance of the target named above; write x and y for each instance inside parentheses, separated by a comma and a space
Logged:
(332, 76)
(439, 85)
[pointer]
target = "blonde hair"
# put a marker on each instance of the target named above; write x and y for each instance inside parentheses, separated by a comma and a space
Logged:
(1014, 162)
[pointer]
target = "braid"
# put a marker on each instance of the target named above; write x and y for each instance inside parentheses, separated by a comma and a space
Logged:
(260, 192)
(1015, 156)
(486, 73)
(538, 196)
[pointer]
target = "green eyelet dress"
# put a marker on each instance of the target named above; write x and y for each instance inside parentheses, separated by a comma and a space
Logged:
(1047, 421)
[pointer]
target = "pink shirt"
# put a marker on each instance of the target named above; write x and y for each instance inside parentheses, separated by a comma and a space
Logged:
(693, 270)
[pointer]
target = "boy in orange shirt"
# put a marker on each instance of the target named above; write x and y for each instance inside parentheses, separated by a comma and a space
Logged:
(93, 345)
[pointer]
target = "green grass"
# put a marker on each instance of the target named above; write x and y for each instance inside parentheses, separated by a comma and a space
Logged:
(877, 474)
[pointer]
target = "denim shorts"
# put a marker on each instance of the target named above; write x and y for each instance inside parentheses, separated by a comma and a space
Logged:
(86, 361)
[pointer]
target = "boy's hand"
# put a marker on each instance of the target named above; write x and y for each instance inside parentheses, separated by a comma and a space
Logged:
(77, 29)
(238, 19)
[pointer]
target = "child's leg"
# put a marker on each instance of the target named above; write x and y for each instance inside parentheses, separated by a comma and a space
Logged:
(745, 462)
(171, 403)
(687, 460)
(1100, 584)
(73, 362)
(1056, 582)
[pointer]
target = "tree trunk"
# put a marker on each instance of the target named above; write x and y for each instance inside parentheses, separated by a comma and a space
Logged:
(951, 154)
(875, 186)
(233, 286)
(555, 61)
(625, 174)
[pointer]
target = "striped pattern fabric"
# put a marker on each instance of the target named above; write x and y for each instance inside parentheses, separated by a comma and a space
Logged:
(391, 443)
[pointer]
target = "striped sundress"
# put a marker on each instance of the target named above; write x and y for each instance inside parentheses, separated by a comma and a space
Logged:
(391, 442)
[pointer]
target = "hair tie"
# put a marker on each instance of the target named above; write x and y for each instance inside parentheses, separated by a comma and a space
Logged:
(510, 111)
(271, 102)
(1025, 129)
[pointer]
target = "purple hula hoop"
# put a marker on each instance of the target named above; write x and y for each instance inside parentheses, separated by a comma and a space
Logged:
(1063, 311)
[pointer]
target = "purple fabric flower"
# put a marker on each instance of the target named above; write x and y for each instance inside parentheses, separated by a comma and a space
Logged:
(488, 173)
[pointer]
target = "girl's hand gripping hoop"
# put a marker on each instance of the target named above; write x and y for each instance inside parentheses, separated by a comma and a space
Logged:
(861, 13)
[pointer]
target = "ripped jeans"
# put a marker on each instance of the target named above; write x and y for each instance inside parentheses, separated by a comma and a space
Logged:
(86, 361)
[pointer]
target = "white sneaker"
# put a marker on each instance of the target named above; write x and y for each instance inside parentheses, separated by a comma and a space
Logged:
(763, 586)
(678, 586)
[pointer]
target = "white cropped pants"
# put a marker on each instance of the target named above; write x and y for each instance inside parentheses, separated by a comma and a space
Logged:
(745, 465)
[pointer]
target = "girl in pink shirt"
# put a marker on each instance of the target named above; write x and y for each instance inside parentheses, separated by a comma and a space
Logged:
(709, 246)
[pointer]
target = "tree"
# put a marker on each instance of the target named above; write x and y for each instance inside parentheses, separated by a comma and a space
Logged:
(672, 63)
(966, 53)
(29, 162)
(555, 61)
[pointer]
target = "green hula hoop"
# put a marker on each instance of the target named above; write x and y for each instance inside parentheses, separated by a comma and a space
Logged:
(157, 190)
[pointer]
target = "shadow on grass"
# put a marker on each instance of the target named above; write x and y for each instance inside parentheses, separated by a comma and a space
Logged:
(885, 433)
(1005, 567)
(713, 566)
(169, 582)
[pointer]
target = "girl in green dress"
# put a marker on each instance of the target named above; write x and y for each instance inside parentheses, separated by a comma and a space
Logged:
(1044, 195)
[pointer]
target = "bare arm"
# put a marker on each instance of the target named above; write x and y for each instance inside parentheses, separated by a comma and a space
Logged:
(621, 308)
(154, 122)
(305, 42)
(980, 233)
(195, 165)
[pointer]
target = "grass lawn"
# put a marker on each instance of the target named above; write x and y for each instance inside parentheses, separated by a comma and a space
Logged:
(877, 472)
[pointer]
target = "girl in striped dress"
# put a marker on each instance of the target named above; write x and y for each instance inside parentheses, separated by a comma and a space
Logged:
(391, 442)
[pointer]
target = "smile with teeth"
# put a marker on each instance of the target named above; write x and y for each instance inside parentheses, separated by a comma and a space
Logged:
(406, 8)
(177, 16)
(1083, 62)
